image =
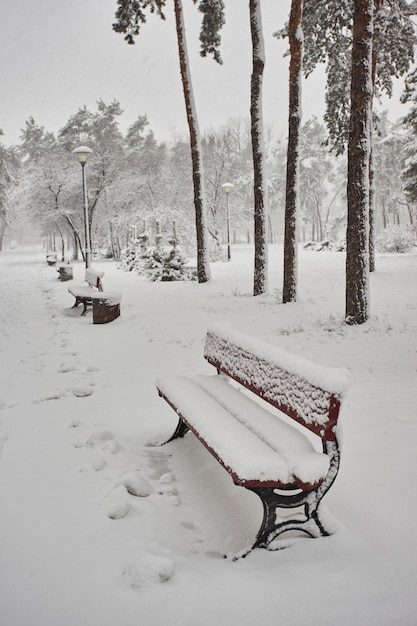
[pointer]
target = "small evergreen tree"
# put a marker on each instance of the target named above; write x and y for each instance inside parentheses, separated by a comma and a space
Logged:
(167, 264)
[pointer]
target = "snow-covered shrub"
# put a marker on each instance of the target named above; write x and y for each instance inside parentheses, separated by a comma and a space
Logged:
(216, 251)
(136, 253)
(325, 245)
(396, 239)
(167, 263)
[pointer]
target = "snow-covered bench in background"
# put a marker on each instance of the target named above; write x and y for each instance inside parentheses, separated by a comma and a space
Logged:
(255, 444)
(106, 305)
(84, 293)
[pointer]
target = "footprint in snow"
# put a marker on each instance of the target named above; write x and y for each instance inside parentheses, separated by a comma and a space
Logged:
(98, 464)
(136, 485)
(105, 439)
(55, 395)
(99, 437)
(146, 568)
(82, 391)
(167, 478)
(117, 505)
(64, 368)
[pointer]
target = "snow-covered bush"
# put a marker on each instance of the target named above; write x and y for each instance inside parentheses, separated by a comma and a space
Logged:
(326, 245)
(167, 263)
(136, 254)
(396, 239)
(217, 252)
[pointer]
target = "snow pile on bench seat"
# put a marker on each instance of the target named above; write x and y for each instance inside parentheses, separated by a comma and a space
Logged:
(249, 459)
(111, 298)
(82, 291)
(305, 464)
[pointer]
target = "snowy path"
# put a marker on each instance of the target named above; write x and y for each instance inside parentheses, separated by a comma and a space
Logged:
(78, 408)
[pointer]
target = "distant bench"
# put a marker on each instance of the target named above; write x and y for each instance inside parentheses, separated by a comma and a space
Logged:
(106, 305)
(259, 449)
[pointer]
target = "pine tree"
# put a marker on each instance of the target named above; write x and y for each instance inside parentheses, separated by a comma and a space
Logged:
(130, 16)
(357, 250)
(166, 263)
(289, 290)
(410, 122)
(258, 155)
(327, 29)
(9, 165)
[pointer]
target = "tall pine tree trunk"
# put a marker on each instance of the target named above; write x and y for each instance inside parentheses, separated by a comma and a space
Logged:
(203, 266)
(260, 222)
(371, 207)
(357, 234)
(377, 7)
(289, 290)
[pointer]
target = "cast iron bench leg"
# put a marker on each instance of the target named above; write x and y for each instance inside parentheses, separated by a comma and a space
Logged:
(180, 431)
(311, 525)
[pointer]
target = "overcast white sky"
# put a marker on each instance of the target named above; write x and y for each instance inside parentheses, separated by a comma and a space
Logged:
(56, 57)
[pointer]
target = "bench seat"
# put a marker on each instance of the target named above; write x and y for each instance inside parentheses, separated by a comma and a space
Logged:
(271, 454)
(306, 465)
(82, 291)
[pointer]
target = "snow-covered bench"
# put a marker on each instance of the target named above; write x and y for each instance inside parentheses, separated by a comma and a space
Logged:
(255, 444)
(84, 293)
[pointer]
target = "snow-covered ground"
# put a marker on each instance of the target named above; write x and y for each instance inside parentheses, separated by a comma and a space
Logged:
(79, 412)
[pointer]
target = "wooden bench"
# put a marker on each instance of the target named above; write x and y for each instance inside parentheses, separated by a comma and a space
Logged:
(51, 259)
(268, 451)
(84, 293)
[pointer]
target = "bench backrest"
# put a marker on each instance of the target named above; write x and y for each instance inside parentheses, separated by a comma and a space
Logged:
(307, 392)
(93, 278)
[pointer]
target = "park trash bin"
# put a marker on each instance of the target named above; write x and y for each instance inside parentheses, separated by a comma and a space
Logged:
(106, 306)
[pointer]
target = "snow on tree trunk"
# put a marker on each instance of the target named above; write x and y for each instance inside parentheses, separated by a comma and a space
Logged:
(289, 291)
(377, 8)
(203, 266)
(371, 209)
(357, 240)
(258, 153)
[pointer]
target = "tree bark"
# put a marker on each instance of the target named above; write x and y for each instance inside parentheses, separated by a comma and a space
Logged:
(260, 222)
(357, 234)
(371, 208)
(203, 266)
(289, 290)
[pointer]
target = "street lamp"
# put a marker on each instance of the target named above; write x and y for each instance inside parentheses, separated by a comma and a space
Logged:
(227, 188)
(82, 153)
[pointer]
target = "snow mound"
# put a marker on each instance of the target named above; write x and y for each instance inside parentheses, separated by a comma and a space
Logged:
(3, 436)
(82, 391)
(167, 478)
(117, 505)
(146, 568)
(98, 464)
(99, 437)
(137, 485)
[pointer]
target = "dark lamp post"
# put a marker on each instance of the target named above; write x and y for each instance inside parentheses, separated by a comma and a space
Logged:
(227, 188)
(82, 153)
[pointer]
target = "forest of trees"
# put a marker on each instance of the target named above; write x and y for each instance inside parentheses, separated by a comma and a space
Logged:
(347, 183)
